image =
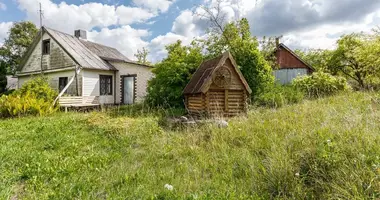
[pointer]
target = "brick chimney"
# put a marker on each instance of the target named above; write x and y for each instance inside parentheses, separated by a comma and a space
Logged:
(277, 42)
(81, 34)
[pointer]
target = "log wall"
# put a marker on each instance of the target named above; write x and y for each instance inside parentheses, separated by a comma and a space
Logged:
(195, 103)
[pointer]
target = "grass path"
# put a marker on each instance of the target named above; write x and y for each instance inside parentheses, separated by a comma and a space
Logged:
(322, 149)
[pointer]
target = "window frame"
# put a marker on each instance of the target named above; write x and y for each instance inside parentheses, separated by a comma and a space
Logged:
(106, 77)
(45, 47)
(59, 83)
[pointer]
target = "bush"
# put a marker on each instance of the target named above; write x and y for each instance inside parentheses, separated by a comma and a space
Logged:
(320, 84)
(35, 97)
(278, 95)
(172, 74)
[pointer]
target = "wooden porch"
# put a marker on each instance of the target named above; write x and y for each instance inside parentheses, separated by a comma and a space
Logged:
(79, 102)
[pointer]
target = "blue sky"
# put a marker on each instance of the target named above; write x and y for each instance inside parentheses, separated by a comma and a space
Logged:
(133, 24)
(161, 25)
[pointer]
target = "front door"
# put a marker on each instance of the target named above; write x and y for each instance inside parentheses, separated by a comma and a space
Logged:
(128, 90)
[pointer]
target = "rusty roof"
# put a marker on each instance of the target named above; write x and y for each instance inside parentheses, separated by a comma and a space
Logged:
(295, 55)
(201, 79)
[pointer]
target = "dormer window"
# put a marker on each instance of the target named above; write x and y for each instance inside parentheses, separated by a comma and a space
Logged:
(46, 47)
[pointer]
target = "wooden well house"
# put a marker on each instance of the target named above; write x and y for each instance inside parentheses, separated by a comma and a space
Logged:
(217, 89)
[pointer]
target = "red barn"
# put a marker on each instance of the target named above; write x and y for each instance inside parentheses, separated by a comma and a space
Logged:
(290, 65)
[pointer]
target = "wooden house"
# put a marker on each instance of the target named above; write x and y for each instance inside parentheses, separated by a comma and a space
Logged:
(217, 89)
(289, 65)
(85, 72)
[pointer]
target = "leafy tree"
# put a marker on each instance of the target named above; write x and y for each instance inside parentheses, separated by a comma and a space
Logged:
(142, 55)
(3, 77)
(268, 47)
(172, 74)
(20, 38)
(319, 59)
(237, 39)
(357, 57)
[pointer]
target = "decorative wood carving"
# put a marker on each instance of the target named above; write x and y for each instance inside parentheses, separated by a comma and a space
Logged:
(222, 76)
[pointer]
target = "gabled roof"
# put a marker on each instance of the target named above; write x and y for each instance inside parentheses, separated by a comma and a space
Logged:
(105, 52)
(87, 54)
(202, 78)
(295, 55)
(78, 51)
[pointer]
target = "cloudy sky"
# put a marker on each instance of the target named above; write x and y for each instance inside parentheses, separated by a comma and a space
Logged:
(132, 24)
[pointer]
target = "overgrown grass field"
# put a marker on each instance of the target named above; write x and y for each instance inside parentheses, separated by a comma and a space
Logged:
(321, 149)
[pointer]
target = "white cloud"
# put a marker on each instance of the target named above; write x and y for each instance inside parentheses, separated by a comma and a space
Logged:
(86, 16)
(4, 29)
(3, 6)
(130, 15)
(126, 39)
(155, 5)
(157, 45)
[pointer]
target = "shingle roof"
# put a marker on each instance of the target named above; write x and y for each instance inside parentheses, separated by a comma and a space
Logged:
(200, 79)
(78, 51)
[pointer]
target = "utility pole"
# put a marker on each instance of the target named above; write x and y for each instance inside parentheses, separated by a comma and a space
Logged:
(41, 35)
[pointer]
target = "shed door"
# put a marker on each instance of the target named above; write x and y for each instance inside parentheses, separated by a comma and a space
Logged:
(128, 90)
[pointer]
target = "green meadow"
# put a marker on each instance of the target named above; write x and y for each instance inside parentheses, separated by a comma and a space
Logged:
(327, 148)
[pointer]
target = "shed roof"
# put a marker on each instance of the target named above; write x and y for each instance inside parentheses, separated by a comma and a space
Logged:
(201, 79)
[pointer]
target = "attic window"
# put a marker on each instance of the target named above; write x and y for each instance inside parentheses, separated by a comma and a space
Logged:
(46, 47)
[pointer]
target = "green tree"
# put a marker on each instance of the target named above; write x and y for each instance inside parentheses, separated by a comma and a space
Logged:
(172, 74)
(268, 47)
(20, 37)
(236, 38)
(357, 57)
(319, 59)
(3, 77)
(142, 55)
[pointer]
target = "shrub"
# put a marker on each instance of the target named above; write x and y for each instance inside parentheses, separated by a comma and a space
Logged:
(35, 97)
(39, 87)
(172, 74)
(320, 84)
(278, 95)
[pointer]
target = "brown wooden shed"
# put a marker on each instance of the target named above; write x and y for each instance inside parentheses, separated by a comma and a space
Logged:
(217, 89)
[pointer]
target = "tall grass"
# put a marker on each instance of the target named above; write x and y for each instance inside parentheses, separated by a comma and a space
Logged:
(321, 149)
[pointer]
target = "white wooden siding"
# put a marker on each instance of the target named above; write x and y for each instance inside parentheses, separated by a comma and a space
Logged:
(143, 73)
(91, 85)
(286, 76)
(53, 79)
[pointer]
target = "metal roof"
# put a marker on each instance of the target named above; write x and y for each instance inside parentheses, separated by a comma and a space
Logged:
(78, 51)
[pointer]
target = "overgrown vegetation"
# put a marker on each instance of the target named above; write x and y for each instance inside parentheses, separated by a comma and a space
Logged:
(3, 77)
(172, 74)
(356, 58)
(320, 84)
(321, 149)
(35, 97)
(277, 95)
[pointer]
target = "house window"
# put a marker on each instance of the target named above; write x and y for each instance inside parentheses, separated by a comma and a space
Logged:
(46, 47)
(105, 85)
(62, 83)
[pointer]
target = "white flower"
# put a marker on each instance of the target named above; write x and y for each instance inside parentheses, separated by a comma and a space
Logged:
(328, 141)
(168, 187)
(297, 174)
